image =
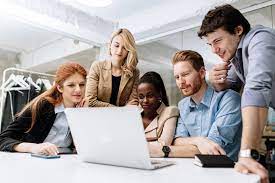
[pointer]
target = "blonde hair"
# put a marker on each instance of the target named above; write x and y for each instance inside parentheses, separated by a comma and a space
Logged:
(129, 44)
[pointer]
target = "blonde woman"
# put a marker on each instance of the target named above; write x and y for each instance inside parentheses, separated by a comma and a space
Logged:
(113, 82)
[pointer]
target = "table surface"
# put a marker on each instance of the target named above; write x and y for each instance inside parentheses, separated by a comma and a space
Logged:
(21, 167)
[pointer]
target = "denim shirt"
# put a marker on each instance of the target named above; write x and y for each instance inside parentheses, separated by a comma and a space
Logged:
(217, 117)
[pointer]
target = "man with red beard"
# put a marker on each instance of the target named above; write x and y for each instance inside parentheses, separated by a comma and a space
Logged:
(209, 120)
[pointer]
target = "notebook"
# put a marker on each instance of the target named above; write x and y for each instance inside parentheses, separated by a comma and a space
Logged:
(221, 161)
(112, 136)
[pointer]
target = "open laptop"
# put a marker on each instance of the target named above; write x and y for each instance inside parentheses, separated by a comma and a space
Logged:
(111, 135)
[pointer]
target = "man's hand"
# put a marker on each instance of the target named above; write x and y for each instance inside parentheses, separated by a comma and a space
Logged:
(218, 73)
(207, 146)
(249, 165)
(217, 76)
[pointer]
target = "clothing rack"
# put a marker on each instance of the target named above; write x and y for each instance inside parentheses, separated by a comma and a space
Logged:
(7, 72)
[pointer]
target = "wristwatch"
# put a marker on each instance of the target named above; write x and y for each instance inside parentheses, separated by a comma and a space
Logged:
(250, 153)
(166, 150)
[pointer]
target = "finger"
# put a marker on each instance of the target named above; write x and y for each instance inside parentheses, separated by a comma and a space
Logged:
(219, 81)
(220, 72)
(80, 104)
(49, 151)
(215, 152)
(50, 148)
(83, 102)
(54, 149)
(218, 77)
(261, 172)
(222, 66)
(45, 151)
(134, 101)
(221, 151)
(256, 168)
(241, 168)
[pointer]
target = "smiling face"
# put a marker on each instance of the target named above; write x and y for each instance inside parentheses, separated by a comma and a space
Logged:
(148, 97)
(72, 90)
(117, 49)
(223, 43)
(188, 80)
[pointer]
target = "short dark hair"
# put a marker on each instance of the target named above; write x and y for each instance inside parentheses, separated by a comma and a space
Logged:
(194, 58)
(226, 17)
(155, 79)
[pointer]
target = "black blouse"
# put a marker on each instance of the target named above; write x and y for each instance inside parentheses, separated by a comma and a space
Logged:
(115, 88)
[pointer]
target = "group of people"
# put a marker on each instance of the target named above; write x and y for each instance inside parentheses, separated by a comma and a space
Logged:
(226, 116)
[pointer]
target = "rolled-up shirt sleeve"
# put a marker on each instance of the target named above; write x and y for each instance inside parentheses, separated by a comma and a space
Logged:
(227, 124)
(261, 68)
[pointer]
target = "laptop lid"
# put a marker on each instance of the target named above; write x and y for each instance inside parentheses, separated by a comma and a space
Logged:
(110, 135)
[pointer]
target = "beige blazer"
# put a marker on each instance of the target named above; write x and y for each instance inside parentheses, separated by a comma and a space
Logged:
(99, 85)
(162, 128)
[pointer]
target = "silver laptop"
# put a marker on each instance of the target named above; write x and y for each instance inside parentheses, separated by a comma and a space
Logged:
(111, 135)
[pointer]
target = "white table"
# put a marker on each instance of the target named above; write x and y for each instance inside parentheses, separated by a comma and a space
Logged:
(21, 167)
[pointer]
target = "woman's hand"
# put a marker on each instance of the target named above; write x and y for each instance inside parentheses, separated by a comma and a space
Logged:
(133, 102)
(83, 103)
(46, 148)
(155, 150)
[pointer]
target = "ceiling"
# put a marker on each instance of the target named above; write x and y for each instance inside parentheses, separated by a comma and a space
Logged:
(19, 37)
(119, 9)
(158, 21)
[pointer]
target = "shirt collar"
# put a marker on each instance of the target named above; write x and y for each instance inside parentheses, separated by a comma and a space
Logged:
(154, 124)
(59, 108)
(240, 46)
(238, 53)
(161, 107)
(206, 100)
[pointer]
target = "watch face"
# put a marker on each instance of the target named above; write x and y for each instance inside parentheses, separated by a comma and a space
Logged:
(255, 154)
(166, 149)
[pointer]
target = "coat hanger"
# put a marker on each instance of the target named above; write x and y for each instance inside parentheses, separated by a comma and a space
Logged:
(29, 79)
(15, 82)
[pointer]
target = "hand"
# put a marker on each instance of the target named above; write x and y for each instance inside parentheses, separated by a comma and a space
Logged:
(83, 103)
(207, 146)
(133, 102)
(249, 165)
(44, 148)
(155, 150)
(218, 73)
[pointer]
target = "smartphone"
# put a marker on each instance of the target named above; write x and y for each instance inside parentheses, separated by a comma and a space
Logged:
(45, 156)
